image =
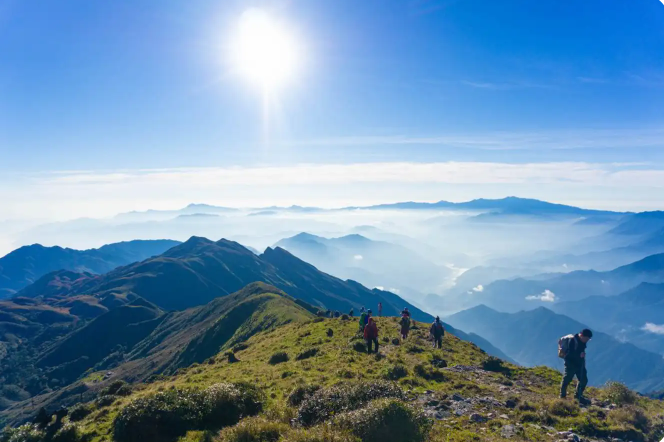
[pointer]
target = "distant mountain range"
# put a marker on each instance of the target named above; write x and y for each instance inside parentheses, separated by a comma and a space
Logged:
(530, 337)
(372, 263)
(25, 265)
(636, 315)
(517, 294)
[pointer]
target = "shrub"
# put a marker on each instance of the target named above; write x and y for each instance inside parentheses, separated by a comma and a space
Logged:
(495, 365)
(24, 433)
(300, 393)
(68, 433)
(342, 397)
(330, 332)
(386, 420)
(241, 346)
(527, 406)
(306, 354)
(167, 415)
(359, 346)
(278, 358)
(118, 388)
(619, 394)
(345, 317)
(630, 416)
(254, 429)
(414, 349)
(563, 408)
(429, 373)
(105, 401)
(14, 393)
(396, 372)
(79, 412)
(396, 341)
(529, 416)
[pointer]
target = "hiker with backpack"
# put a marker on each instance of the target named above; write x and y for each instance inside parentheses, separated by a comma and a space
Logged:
(572, 348)
(371, 335)
(405, 325)
(437, 333)
(363, 320)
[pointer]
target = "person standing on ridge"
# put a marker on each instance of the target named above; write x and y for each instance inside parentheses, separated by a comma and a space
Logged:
(371, 335)
(380, 309)
(572, 348)
(405, 325)
(437, 333)
(363, 320)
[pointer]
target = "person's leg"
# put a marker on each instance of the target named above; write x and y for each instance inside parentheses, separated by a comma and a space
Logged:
(582, 377)
(376, 343)
(368, 346)
(568, 375)
(439, 342)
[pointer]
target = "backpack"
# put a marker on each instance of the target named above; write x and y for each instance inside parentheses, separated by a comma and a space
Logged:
(405, 321)
(437, 327)
(564, 344)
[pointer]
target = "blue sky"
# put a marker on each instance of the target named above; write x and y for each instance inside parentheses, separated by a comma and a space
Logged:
(134, 86)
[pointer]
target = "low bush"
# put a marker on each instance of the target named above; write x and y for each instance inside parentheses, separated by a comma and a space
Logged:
(278, 358)
(563, 408)
(342, 397)
(414, 349)
(117, 388)
(345, 317)
(529, 417)
(79, 412)
(619, 394)
(429, 373)
(24, 433)
(239, 347)
(495, 365)
(630, 416)
(330, 332)
(255, 429)
(105, 401)
(300, 393)
(67, 433)
(167, 415)
(396, 372)
(396, 341)
(306, 354)
(386, 420)
(527, 406)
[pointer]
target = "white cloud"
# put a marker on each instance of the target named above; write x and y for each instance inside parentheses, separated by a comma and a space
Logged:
(546, 296)
(358, 257)
(393, 290)
(653, 328)
(380, 287)
(479, 288)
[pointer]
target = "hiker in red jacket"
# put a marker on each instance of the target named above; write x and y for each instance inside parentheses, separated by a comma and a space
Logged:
(371, 334)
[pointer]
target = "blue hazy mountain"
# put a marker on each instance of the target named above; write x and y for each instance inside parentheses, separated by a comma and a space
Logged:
(530, 337)
(25, 265)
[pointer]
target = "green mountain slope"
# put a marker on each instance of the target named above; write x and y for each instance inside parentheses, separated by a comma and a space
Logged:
(455, 398)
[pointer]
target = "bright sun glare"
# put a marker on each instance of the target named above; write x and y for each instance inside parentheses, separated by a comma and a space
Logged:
(264, 50)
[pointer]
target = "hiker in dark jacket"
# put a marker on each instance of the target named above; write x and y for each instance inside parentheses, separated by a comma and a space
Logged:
(575, 365)
(405, 326)
(371, 335)
(437, 332)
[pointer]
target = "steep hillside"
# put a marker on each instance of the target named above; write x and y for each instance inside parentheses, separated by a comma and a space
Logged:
(24, 266)
(530, 337)
(323, 384)
(199, 270)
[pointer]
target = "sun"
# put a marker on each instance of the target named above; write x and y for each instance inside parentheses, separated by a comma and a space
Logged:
(264, 50)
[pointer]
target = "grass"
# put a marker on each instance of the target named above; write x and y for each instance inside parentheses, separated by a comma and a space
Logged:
(410, 366)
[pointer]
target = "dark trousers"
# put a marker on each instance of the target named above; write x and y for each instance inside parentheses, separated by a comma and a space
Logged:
(369, 341)
(438, 342)
(571, 370)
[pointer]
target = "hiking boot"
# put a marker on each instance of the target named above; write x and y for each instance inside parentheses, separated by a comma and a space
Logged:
(582, 400)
